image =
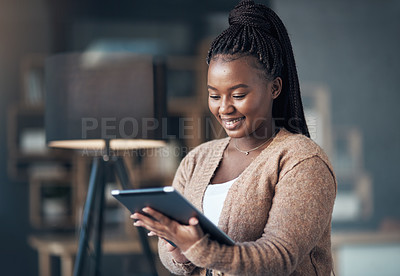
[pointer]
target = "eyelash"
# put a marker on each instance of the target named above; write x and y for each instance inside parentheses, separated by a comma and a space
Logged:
(237, 97)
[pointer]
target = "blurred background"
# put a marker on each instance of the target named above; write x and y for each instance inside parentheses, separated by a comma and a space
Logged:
(347, 58)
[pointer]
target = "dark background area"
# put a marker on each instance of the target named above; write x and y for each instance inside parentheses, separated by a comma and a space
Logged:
(349, 47)
(42, 26)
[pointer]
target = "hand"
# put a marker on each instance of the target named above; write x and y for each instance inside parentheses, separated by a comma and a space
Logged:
(183, 236)
(175, 252)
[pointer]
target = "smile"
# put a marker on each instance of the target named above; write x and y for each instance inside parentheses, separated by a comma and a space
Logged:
(232, 123)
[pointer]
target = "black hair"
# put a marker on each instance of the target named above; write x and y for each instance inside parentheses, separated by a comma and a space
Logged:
(256, 30)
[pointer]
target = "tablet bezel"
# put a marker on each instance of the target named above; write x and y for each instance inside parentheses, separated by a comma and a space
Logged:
(171, 203)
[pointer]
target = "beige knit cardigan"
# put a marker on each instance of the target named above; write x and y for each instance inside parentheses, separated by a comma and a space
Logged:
(278, 211)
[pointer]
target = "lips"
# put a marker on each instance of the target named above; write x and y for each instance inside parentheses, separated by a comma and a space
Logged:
(231, 123)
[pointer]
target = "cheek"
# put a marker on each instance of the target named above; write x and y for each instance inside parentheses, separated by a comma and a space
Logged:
(248, 107)
(258, 108)
(212, 107)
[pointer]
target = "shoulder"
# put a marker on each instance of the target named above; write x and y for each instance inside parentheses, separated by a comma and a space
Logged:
(292, 149)
(297, 144)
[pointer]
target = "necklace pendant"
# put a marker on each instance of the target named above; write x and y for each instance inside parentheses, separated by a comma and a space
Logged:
(253, 149)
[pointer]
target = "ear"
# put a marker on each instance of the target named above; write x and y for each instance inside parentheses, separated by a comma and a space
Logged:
(276, 87)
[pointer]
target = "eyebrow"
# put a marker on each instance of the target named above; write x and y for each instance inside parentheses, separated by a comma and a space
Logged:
(240, 85)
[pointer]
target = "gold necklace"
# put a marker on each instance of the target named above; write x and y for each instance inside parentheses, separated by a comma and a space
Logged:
(253, 149)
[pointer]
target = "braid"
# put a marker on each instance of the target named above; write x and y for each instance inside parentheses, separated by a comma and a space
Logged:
(256, 30)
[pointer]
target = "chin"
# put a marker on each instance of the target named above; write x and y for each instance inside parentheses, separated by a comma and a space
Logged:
(235, 133)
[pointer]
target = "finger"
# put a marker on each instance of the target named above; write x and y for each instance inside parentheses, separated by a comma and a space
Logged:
(141, 220)
(157, 215)
(145, 219)
(151, 225)
(152, 231)
(193, 221)
(136, 216)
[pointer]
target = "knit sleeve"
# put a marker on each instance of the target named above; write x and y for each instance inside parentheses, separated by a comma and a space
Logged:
(180, 179)
(300, 213)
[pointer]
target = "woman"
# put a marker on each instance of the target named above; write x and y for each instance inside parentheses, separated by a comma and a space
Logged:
(267, 185)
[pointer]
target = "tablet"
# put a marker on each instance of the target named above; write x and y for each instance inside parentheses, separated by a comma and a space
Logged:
(171, 203)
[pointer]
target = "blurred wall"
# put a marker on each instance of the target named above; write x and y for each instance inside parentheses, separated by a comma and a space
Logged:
(24, 28)
(352, 48)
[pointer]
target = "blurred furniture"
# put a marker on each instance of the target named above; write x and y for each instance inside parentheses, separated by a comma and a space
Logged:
(64, 179)
(65, 247)
(354, 200)
(366, 253)
(27, 151)
(354, 203)
(102, 104)
(47, 171)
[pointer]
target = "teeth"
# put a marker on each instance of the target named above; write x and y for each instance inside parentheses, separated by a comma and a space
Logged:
(233, 121)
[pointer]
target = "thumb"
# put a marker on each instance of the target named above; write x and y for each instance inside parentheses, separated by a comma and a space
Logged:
(193, 221)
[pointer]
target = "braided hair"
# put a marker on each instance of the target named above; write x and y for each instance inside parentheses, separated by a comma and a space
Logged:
(256, 30)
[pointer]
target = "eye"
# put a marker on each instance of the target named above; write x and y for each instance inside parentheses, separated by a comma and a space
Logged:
(214, 97)
(239, 96)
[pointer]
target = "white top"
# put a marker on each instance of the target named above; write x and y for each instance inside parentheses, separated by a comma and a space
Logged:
(214, 198)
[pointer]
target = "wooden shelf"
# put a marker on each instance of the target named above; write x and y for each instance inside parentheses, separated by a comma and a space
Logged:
(22, 157)
(65, 247)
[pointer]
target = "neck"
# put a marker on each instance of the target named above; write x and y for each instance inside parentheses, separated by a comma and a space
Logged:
(256, 138)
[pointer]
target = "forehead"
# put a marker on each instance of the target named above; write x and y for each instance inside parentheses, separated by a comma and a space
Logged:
(228, 68)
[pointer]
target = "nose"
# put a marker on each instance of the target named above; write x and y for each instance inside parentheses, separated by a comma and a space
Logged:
(226, 106)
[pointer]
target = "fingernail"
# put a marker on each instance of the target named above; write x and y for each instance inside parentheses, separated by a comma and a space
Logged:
(145, 209)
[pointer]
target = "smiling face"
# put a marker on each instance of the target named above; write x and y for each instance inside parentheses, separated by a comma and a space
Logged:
(240, 96)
